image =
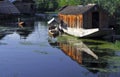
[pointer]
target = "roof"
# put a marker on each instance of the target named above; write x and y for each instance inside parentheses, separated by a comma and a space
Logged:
(7, 7)
(24, 1)
(80, 9)
(53, 20)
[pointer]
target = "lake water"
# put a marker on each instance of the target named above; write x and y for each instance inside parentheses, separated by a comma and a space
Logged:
(30, 52)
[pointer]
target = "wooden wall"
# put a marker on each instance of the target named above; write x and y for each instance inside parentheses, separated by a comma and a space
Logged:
(85, 20)
(73, 21)
(104, 20)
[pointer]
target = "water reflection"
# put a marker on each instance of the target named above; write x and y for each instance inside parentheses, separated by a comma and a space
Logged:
(80, 57)
(24, 33)
(29, 52)
(108, 60)
(2, 36)
(11, 27)
(72, 52)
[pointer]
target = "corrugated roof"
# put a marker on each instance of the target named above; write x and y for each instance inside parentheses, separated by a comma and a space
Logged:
(7, 7)
(80, 9)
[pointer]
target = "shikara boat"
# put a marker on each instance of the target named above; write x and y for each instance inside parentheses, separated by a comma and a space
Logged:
(53, 27)
(53, 32)
(81, 32)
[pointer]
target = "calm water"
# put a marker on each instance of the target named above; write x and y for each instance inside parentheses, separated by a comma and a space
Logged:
(30, 52)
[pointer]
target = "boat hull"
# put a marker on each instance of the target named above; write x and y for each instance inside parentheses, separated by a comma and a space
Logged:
(80, 32)
(53, 33)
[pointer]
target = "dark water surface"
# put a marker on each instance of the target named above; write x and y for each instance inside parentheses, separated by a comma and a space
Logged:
(30, 52)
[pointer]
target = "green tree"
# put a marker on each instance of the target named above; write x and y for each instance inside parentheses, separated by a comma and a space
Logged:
(112, 6)
(42, 5)
(46, 5)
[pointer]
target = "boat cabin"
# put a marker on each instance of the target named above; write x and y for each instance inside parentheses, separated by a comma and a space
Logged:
(53, 22)
(87, 17)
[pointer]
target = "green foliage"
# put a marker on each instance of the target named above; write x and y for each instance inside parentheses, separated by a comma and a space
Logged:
(112, 6)
(68, 2)
(100, 44)
(46, 5)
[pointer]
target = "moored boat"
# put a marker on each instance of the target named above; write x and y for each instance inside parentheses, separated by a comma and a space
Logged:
(81, 32)
(53, 32)
(85, 21)
(53, 28)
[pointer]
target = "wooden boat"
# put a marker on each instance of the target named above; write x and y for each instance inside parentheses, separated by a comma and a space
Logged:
(77, 32)
(53, 32)
(85, 21)
(81, 32)
(53, 27)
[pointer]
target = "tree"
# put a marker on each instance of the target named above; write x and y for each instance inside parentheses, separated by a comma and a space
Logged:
(46, 5)
(111, 6)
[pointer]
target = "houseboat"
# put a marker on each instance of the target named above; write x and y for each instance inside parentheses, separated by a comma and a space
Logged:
(7, 9)
(85, 21)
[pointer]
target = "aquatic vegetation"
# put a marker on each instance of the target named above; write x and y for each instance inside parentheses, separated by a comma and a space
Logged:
(104, 70)
(108, 60)
(64, 38)
(42, 44)
(27, 43)
(113, 46)
(91, 43)
(40, 52)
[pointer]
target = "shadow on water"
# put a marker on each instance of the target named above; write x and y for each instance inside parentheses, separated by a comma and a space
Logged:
(108, 60)
(24, 33)
(10, 27)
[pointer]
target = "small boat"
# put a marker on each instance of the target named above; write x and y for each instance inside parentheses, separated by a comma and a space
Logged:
(53, 31)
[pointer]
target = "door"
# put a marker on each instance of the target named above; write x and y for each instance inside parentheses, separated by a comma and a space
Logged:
(95, 20)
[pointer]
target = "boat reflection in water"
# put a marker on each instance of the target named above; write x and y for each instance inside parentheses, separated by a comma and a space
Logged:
(95, 59)
(76, 52)
(72, 52)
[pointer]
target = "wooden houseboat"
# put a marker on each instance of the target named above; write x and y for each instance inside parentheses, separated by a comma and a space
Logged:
(85, 21)
(7, 9)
